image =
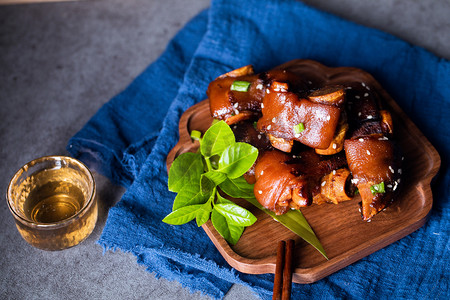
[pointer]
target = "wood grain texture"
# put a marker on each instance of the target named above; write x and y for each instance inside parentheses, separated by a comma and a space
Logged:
(343, 234)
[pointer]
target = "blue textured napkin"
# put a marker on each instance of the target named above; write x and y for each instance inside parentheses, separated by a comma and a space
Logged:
(129, 138)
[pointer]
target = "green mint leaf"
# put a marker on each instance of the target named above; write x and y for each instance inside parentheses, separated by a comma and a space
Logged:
(203, 214)
(237, 159)
(185, 169)
(190, 194)
(215, 176)
(214, 162)
(231, 233)
(222, 200)
(195, 177)
(182, 215)
(235, 214)
(216, 139)
(237, 188)
(202, 217)
(206, 185)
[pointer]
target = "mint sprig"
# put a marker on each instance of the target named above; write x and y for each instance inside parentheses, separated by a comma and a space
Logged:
(221, 161)
(220, 164)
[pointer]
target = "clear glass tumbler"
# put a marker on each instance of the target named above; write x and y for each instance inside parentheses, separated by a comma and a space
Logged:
(53, 202)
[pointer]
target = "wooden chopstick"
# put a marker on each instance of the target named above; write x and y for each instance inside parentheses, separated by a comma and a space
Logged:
(287, 272)
(278, 281)
(283, 271)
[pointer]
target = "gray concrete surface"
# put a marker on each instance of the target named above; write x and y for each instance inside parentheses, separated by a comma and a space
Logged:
(59, 62)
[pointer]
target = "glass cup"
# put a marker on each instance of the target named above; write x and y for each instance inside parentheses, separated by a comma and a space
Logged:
(53, 202)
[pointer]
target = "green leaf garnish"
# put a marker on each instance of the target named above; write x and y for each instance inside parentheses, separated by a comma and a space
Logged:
(223, 200)
(220, 163)
(240, 86)
(235, 214)
(237, 188)
(296, 222)
(215, 176)
(203, 213)
(190, 194)
(378, 188)
(195, 177)
(206, 185)
(237, 159)
(187, 168)
(231, 233)
(182, 215)
(202, 216)
(216, 139)
(299, 128)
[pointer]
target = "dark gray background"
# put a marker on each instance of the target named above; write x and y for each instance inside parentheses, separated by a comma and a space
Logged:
(59, 62)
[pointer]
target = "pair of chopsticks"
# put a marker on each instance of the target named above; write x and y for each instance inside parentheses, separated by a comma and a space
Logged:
(283, 271)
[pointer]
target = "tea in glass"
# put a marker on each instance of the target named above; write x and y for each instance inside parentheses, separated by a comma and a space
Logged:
(53, 202)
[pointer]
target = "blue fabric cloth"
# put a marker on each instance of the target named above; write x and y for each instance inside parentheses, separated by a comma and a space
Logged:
(129, 138)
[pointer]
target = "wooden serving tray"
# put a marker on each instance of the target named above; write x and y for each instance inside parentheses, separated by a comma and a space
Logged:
(340, 229)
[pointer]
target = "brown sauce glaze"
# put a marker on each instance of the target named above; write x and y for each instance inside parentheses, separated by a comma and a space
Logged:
(303, 122)
(282, 111)
(291, 181)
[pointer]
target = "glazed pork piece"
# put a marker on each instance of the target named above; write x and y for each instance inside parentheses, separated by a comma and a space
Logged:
(276, 187)
(237, 95)
(286, 109)
(285, 181)
(374, 164)
(312, 121)
(318, 141)
(372, 156)
(366, 112)
(335, 187)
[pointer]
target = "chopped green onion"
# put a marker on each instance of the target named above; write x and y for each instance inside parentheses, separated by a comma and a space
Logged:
(195, 135)
(255, 125)
(240, 86)
(377, 188)
(356, 192)
(299, 128)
